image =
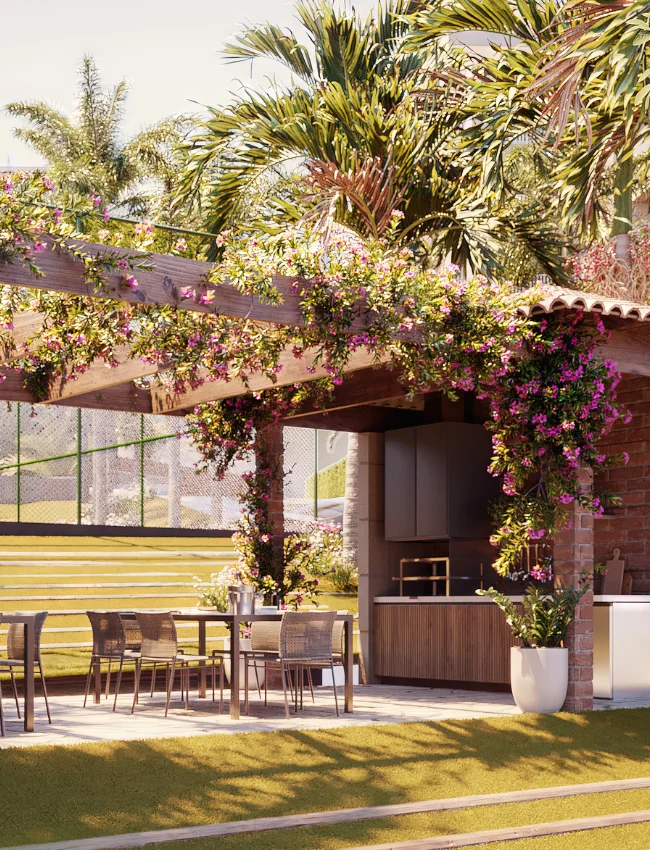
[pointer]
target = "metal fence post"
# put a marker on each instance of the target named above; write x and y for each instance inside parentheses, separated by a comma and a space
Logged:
(142, 470)
(18, 462)
(79, 461)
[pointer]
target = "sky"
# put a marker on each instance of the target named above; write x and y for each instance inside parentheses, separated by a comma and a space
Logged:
(167, 50)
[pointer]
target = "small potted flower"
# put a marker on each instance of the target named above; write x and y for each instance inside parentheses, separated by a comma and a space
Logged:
(539, 669)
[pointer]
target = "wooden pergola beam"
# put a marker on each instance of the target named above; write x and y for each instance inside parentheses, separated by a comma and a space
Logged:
(62, 273)
(293, 371)
(100, 376)
(25, 325)
(126, 397)
(366, 386)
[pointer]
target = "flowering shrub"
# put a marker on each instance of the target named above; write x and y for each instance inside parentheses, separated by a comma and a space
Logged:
(549, 411)
(552, 398)
(213, 591)
(325, 547)
(597, 268)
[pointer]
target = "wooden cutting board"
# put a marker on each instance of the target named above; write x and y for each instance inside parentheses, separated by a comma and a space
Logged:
(613, 578)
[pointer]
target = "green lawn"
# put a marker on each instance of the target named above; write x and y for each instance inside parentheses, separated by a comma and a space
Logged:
(28, 560)
(160, 784)
(412, 827)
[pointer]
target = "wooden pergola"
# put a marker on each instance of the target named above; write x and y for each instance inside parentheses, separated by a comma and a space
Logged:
(370, 401)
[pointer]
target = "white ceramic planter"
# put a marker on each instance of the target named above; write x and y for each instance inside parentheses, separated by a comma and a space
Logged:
(539, 678)
(244, 643)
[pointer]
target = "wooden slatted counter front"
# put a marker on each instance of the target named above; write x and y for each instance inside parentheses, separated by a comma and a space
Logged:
(445, 639)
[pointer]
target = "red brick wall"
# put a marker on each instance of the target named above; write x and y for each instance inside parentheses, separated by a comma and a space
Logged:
(628, 527)
(573, 555)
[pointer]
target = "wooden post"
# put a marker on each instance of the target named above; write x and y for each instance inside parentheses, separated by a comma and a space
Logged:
(272, 446)
(573, 555)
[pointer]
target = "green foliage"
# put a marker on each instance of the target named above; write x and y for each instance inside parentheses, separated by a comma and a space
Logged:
(344, 577)
(376, 129)
(331, 481)
(87, 156)
(546, 616)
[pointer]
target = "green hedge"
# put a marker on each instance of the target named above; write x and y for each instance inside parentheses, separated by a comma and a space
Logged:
(331, 482)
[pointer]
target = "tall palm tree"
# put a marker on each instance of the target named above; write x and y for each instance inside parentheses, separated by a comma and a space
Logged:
(597, 75)
(371, 128)
(573, 76)
(88, 155)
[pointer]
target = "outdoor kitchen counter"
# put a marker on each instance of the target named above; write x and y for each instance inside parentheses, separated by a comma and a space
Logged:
(464, 640)
(446, 640)
(621, 636)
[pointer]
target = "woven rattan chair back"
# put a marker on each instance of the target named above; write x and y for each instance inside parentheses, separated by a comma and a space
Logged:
(132, 632)
(108, 634)
(265, 636)
(16, 638)
(159, 640)
(307, 636)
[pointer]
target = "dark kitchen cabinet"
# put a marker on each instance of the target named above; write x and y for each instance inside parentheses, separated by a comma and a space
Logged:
(399, 473)
(437, 484)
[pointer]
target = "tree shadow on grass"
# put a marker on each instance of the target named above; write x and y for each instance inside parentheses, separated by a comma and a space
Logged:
(80, 791)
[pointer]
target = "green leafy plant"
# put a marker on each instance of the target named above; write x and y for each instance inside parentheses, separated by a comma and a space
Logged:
(546, 615)
(344, 577)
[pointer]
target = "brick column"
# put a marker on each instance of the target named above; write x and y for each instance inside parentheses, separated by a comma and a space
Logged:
(272, 443)
(573, 554)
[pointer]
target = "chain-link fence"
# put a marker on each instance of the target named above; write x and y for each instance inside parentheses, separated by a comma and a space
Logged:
(100, 467)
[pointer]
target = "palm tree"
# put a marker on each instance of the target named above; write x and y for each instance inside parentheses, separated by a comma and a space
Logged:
(598, 73)
(579, 63)
(87, 155)
(370, 128)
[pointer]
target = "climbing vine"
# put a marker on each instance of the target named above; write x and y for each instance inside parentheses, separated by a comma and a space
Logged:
(552, 396)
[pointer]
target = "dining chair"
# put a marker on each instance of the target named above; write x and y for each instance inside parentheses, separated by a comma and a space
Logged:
(305, 642)
(109, 644)
(15, 660)
(160, 646)
(2, 716)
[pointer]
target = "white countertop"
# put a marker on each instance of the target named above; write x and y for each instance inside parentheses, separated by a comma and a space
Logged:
(451, 600)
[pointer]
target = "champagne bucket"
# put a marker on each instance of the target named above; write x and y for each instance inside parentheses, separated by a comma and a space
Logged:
(246, 602)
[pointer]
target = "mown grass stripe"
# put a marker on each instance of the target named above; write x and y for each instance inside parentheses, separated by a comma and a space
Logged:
(516, 833)
(221, 830)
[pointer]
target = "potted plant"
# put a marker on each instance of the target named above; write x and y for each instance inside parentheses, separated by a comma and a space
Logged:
(539, 669)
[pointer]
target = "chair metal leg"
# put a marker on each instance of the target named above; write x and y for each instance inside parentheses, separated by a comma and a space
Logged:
(221, 676)
(171, 684)
(245, 684)
(336, 700)
(257, 680)
(44, 686)
(153, 680)
(187, 686)
(266, 683)
(284, 689)
(15, 690)
(108, 680)
(2, 716)
(136, 686)
(310, 682)
(88, 681)
(118, 682)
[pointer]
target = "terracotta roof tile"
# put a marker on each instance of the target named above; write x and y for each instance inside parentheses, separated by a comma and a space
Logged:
(559, 298)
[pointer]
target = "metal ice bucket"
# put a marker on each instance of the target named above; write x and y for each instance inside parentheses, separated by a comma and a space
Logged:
(241, 599)
(246, 603)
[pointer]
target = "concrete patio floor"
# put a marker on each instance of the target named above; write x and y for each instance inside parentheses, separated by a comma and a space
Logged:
(73, 724)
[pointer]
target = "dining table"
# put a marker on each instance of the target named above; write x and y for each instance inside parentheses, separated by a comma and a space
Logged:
(28, 622)
(234, 622)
